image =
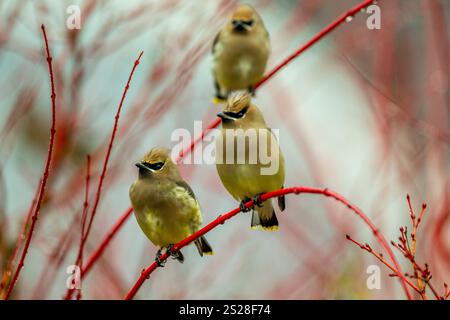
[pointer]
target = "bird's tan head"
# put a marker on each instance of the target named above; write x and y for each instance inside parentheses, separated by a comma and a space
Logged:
(244, 19)
(237, 103)
(157, 163)
(239, 109)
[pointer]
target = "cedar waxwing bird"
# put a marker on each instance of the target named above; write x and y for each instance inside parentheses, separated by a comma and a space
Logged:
(240, 52)
(246, 178)
(165, 206)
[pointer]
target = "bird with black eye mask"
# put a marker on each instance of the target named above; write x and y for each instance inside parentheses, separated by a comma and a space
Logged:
(240, 51)
(242, 25)
(164, 205)
(232, 115)
(145, 168)
(245, 179)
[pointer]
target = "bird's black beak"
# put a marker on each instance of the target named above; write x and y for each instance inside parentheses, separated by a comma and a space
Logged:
(238, 25)
(224, 117)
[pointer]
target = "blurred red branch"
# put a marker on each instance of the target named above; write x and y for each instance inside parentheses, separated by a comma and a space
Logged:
(293, 190)
(355, 10)
(105, 164)
(325, 31)
(43, 183)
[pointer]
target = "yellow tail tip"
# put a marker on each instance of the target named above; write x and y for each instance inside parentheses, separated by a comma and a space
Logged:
(271, 228)
(210, 253)
(217, 100)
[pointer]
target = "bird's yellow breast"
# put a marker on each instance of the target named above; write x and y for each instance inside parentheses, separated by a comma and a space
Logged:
(240, 61)
(166, 214)
(246, 179)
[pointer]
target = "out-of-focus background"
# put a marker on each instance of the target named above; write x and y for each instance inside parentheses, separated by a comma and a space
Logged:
(364, 113)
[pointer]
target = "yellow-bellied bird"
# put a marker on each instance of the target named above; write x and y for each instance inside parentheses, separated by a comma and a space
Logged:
(240, 52)
(260, 169)
(165, 206)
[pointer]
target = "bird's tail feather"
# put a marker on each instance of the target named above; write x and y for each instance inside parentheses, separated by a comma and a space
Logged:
(203, 246)
(282, 203)
(255, 220)
(178, 256)
(265, 217)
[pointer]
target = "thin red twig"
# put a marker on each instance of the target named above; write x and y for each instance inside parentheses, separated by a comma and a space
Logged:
(194, 142)
(295, 190)
(415, 224)
(97, 253)
(350, 13)
(79, 259)
(381, 258)
(22, 236)
(85, 210)
(105, 164)
(421, 274)
(35, 215)
(108, 153)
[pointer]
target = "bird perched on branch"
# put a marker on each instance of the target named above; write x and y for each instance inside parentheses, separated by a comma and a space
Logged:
(249, 160)
(240, 51)
(165, 206)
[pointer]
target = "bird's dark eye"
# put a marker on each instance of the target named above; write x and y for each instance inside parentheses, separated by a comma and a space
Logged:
(237, 115)
(154, 166)
(248, 23)
(241, 113)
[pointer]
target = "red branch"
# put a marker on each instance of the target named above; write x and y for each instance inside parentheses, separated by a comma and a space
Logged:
(85, 211)
(381, 258)
(83, 238)
(194, 142)
(350, 13)
(295, 190)
(43, 183)
(105, 164)
(421, 274)
(111, 141)
(99, 251)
